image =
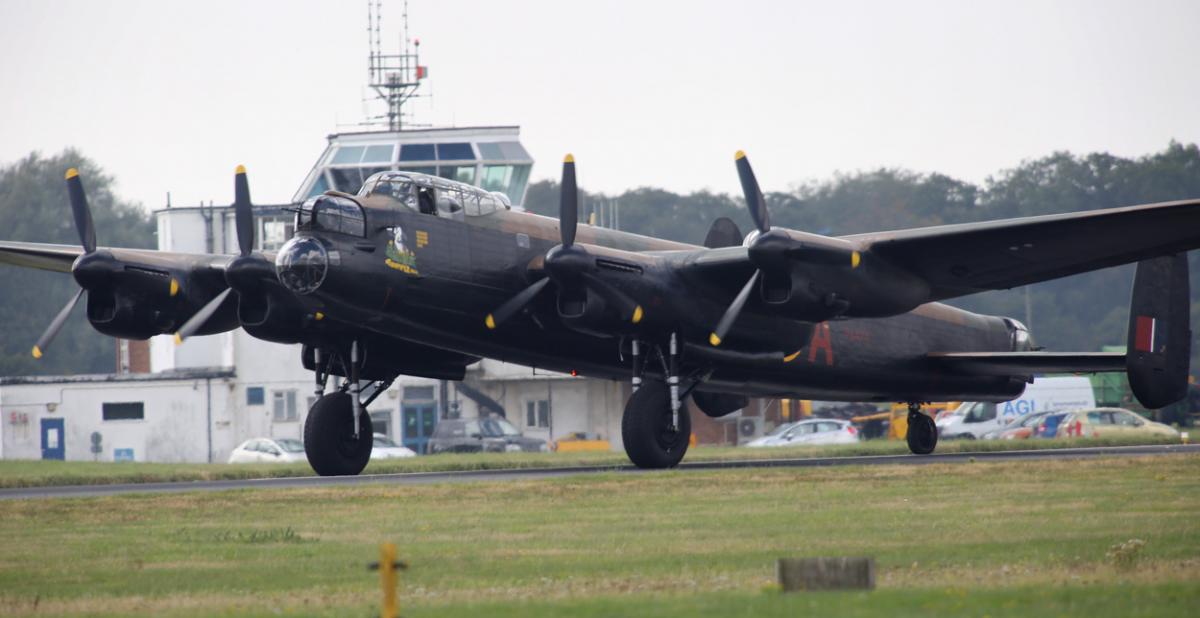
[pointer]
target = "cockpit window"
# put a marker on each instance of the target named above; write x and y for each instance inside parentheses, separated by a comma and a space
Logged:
(332, 213)
(398, 188)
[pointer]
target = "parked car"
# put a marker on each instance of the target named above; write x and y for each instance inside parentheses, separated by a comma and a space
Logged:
(385, 448)
(1111, 422)
(271, 450)
(493, 435)
(1020, 429)
(1048, 427)
(811, 431)
(1055, 394)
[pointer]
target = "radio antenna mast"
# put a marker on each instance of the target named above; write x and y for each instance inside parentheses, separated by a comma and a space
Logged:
(395, 78)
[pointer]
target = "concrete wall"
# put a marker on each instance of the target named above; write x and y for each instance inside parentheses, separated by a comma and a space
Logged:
(174, 427)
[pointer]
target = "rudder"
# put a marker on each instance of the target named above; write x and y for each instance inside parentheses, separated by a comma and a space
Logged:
(1160, 336)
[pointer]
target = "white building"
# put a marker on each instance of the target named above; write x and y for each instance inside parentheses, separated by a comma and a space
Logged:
(204, 397)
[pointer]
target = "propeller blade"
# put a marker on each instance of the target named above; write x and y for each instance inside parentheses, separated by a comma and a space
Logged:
(568, 209)
(754, 197)
(43, 342)
(735, 309)
(196, 322)
(83, 214)
(514, 304)
(243, 213)
(626, 306)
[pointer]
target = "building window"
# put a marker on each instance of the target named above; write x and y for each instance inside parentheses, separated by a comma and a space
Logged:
(284, 406)
(131, 411)
(418, 393)
(255, 396)
(537, 413)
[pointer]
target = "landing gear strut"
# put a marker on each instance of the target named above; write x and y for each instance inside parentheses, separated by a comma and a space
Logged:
(338, 434)
(656, 428)
(922, 433)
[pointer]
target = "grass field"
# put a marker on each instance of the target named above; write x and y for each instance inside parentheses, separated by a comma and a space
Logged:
(998, 539)
(15, 473)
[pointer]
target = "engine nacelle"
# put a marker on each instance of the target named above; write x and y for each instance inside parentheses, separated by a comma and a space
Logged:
(272, 316)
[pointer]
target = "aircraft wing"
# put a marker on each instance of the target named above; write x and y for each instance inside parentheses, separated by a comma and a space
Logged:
(962, 259)
(1029, 363)
(59, 258)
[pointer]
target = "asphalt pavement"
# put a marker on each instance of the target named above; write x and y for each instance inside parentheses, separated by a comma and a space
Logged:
(526, 474)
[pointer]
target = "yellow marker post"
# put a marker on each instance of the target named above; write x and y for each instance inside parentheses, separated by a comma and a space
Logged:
(387, 579)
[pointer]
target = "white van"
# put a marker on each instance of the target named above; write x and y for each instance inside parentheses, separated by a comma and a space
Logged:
(974, 418)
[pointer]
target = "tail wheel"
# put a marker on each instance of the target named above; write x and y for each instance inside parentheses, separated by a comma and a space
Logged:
(329, 441)
(650, 441)
(922, 434)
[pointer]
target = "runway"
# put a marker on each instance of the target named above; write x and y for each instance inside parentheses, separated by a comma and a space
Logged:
(419, 478)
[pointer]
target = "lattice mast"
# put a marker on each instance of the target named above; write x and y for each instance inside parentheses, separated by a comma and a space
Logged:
(395, 78)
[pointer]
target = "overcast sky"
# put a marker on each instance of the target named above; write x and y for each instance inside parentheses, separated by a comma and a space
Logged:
(172, 95)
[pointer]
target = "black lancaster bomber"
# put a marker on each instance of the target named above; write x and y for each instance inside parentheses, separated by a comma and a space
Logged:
(419, 275)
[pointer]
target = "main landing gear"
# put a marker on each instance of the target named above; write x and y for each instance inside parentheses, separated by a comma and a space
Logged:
(656, 428)
(922, 433)
(337, 435)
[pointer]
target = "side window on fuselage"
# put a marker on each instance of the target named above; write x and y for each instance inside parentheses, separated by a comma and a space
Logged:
(426, 200)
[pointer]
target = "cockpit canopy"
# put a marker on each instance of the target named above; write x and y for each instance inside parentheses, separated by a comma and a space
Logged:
(332, 213)
(432, 195)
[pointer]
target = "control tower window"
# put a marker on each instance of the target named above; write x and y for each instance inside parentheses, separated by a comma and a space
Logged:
(455, 152)
(320, 185)
(378, 154)
(507, 179)
(417, 152)
(461, 173)
(347, 154)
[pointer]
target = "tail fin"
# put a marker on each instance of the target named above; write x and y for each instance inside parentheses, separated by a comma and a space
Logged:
(1160, 335)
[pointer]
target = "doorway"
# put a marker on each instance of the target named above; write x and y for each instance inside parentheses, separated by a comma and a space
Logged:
(53, 440)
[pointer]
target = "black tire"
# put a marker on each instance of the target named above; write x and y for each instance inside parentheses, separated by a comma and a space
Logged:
(644, 428)
(329, 441)
(922, 434)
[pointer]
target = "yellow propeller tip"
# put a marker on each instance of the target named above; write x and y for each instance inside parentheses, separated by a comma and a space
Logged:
(741, 154)
(855, 259)
(241, 169)
(174, 287)
(637, 314)
(570, 158)
(714, 339)
(490, 322)
(71, 173)
(178, 339)
(37, 352)
(791, 357)
(319, 316)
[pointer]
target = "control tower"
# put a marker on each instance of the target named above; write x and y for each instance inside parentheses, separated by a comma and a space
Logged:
(487, 157)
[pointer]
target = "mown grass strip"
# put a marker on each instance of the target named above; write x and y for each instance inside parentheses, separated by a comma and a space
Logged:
(15, 473)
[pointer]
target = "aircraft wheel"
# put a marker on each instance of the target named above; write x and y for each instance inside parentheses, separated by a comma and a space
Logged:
(645, 428)
(329, 441)
(922, 434)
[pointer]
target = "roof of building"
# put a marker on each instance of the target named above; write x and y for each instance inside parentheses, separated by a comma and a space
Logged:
(190, 373)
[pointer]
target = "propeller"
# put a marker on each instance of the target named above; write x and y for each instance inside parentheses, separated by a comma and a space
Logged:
(567, 265)
(87, 238)
(770, 250)
(243, 212)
